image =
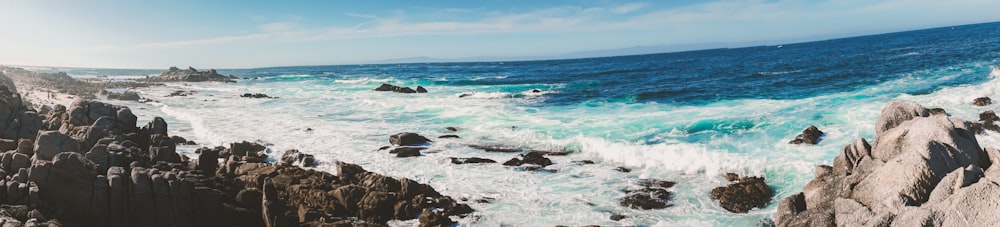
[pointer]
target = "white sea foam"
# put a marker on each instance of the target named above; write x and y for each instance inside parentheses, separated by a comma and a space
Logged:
(693, 145)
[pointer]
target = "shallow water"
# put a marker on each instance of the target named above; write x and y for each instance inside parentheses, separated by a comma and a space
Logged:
(688, 117)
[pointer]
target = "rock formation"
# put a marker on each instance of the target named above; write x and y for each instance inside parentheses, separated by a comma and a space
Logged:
(190, 74)
(922, 171)
(398, 89)
(90, 165)
(808, 136)
(743, 194)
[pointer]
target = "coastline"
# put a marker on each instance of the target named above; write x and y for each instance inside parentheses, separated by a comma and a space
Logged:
(81, 162)
(822, 172)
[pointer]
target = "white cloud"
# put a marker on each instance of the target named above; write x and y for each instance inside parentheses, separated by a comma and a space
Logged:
(628, 8)
(709, 18)
(194, 42)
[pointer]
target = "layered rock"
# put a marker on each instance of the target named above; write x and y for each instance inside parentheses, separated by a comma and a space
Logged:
(174, 74)
(922, 171)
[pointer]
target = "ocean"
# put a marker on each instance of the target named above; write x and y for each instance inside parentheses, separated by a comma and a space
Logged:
(688, 117)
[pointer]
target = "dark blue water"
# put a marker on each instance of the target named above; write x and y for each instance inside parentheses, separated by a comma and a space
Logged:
(697, 77)
(687, 117)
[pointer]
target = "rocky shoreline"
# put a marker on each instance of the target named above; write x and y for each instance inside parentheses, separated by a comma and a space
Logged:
(89, 164)
(924, 169)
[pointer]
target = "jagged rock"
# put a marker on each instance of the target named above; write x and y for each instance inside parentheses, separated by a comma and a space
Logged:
(982, 101)
(808, 136)
(256, 152)
(434, 218)
(987, 121)
(174, 74)
(647, 198)
(293, 157)
(398, 89)
(421, 89)
(208, 160)
(471, 160)
(534, 158)
(851, 156)
(255, 95)
(897, 112)
(408, 139)
(921, 171)
(746, 194)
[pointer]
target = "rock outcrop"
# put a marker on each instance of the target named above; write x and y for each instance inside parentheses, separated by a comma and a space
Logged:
(922, 171)
(190, 74)
(90, 165)
(982, 101)
(808, 136)
(744, 194)
(398, 89)
(652, 195)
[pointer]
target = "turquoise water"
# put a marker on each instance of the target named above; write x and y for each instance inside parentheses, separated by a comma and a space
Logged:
(688, 117)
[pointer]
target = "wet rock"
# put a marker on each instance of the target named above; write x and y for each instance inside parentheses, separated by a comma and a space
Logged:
(434, 218)
(647, 198)
(533, 158)
(408, 139)
(453, 129)
(403, 152)
(583, 162)
(746, 194)
(294, 157)
(618, 217)
(808, 136)
(623, 169)
(938, 111)
(471, 160)
(397, 89)
(448, 137)
(982, 101)
(256, 96)
(178, 140)
(421, 89)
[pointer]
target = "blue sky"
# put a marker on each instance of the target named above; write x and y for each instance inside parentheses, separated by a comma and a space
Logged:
(228, 34)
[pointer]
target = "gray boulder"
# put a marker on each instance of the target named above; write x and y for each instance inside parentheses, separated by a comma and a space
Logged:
(923, 170)
(50, 143)
(895, 113)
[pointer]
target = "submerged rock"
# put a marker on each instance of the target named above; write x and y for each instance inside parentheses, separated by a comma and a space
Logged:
(256, 96)
(982, 101)
(408, 139)
(743, 195)
(808, 136)
(652, 195)
(471, 160)
(398, 89)
(533, 158)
